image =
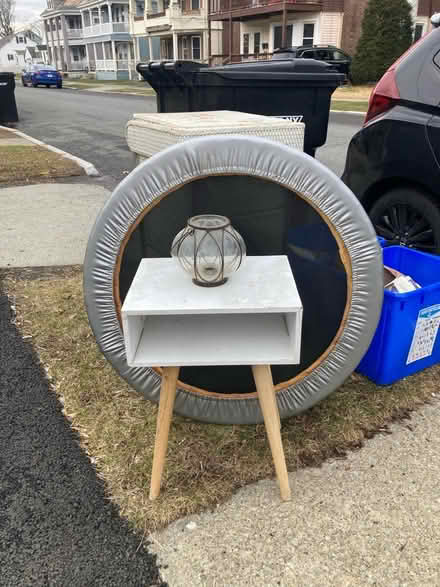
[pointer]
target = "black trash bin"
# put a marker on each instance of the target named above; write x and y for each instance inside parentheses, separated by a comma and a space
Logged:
(281, 87)
(8, 107)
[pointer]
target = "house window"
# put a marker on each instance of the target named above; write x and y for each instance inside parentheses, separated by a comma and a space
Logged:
(140, 8)
(195, 4)
(418, 31)
(154, 6)
(308, 34)
(246, 44)
(196, 45)
(257, 43)
(20, 40)
(278, 36)
(10, 57)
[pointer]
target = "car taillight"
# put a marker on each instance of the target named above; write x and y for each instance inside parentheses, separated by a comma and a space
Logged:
(384, 96)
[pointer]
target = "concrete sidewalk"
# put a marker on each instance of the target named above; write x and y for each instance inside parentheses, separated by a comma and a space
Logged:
(369, 519)
(48, 224)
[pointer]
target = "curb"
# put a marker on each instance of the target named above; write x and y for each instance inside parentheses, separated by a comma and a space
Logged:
(88, 167)
(153, 93)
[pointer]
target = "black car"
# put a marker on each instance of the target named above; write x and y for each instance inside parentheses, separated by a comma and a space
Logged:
(393, 162)
(332, 55)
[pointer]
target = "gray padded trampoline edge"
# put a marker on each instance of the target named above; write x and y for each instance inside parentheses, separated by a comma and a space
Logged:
(260, 158)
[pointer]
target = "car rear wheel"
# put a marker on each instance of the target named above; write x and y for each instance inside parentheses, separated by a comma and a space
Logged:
(24, 84)
(59, 85)
(34, 85)
(408, 217)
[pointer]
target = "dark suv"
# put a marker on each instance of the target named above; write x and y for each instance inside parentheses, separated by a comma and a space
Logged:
(393, 162)
(332, 55)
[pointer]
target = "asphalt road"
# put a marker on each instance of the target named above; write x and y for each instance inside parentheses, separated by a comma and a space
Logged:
(91, 125)
(57, 526)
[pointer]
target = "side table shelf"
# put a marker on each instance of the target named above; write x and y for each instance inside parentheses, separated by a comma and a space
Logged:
(254, 319)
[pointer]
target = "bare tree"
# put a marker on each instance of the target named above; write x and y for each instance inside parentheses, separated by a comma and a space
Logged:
(7, 17)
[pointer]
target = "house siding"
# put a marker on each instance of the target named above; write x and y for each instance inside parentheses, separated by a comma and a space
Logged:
(330, 30)
(425, 5)
(333, 6)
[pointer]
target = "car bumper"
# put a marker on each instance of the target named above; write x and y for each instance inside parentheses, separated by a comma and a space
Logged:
(46, 80)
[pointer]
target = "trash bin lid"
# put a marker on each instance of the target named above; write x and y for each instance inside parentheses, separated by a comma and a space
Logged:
(292, 70)
(287, 65)
(6, 76)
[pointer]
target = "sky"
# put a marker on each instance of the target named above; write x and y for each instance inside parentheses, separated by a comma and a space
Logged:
(27, 11)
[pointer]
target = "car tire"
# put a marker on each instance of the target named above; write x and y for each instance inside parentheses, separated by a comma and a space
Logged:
(34, 85)
(59, 86)
(23, 83)
(408, 217)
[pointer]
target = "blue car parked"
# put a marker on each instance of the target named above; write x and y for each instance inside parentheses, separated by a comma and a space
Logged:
(41, 75)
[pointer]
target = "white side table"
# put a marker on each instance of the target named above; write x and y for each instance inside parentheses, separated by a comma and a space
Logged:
(254, 319)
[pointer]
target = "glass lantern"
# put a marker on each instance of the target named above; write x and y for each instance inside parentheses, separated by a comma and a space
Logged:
(209, 249)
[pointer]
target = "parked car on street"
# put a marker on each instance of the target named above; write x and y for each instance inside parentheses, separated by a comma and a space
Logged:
(41, 75)
(393, 162)
(328, 53)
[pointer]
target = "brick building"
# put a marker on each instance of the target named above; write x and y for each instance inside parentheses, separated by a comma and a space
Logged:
(261, 26)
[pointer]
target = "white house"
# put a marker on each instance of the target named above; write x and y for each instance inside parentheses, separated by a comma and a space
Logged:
(13, 50)
(90, 36)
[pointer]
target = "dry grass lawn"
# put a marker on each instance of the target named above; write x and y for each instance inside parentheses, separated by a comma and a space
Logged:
(27, 164)
(119, 86)
(357, 93)
(349, 106)
(206, 463)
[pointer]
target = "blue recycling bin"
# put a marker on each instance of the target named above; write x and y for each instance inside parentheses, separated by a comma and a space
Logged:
(407, 338)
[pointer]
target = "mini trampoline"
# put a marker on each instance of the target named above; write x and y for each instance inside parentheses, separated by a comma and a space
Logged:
(282, 202)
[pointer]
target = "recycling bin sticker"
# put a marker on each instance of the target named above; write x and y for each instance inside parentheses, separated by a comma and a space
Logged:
(425, 334)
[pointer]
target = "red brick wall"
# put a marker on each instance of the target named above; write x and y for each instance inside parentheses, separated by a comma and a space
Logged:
(352, 25)
(235, 38)
(333, 5)
(425, 7)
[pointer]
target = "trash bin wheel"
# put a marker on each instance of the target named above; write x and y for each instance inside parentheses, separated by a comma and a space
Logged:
(158, 192)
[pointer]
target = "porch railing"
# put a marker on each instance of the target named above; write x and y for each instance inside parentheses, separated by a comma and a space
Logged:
(74, 33)
(105, 28)
(79, 66)
(115, 64)
(221, 6)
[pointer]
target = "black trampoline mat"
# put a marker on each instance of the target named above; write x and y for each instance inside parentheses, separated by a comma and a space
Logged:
(272, 220)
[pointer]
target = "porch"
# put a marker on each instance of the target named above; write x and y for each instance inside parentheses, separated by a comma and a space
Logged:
(242, 9)
(106, 19)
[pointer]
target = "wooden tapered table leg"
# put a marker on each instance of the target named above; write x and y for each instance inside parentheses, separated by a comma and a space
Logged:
(266, 395)
(164, 416)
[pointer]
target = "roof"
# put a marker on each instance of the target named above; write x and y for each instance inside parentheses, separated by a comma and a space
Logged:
(60, 4)
(6, 40)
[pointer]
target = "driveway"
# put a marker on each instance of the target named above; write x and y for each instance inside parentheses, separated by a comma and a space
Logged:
(91, 125)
